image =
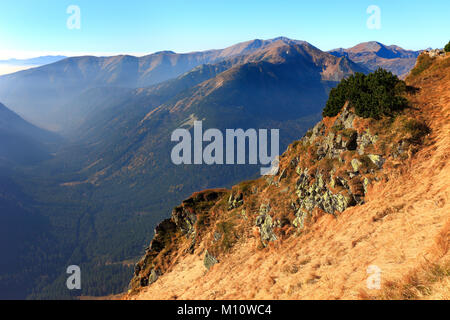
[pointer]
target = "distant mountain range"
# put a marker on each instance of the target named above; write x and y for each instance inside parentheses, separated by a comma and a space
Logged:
(40, 93)
(38, 61)
(374, 55)
(16, 65)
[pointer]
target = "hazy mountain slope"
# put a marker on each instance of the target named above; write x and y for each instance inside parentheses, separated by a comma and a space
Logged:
(94, 105)
(22, 142)
(16, 65)
(38, 61)
(373, 55)
(294, 236)
(39, 93)
(285, 89)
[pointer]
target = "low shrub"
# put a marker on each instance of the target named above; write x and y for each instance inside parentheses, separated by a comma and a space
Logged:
(372, 96)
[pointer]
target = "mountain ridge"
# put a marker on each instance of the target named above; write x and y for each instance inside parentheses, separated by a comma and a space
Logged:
(374, 54)
(38, 92)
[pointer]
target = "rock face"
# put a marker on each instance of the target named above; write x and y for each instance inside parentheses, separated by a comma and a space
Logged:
(209, 260)
(327, 191)
(265, 224)
(235, 200)
(434, 53)
(181, 224)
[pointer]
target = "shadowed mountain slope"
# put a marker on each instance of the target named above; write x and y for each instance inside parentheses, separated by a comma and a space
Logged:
(22, 142)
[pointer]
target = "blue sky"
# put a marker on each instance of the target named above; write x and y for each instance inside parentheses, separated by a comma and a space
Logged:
(35, 27)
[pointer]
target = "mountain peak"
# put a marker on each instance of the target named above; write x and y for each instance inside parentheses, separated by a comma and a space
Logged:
(164, 52)
(374, 54)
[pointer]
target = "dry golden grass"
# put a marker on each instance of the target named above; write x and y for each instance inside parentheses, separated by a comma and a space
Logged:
(403, 229)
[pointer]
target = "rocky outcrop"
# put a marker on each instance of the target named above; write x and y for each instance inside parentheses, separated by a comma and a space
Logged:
(236, 200)
(434, 53)
(265, 224)
(335, 193)
(209, 260)
(182, 223)
(316, 192)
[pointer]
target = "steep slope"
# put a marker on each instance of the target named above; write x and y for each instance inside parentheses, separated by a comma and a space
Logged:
(373, 55)
(353, 196)
(22, 142)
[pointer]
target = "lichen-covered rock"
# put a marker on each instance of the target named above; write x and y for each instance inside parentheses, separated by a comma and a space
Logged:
(299, 221)
(315, 193)
(346, 117)
(356, 164)
(377, 160)
(236, 200)
(154, 275)
(265, 224)
(185, 218)
(364, 140)
(283, 175)
(366, 183)
(209, 260)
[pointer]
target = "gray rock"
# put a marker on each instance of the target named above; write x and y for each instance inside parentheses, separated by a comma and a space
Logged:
(209, 260)
(299, 221)
(356, 164)
(235, 200)
(154, 276)
(346, 117)
(366, 183)
(265, 224)
(377, 160)
(364, 140)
